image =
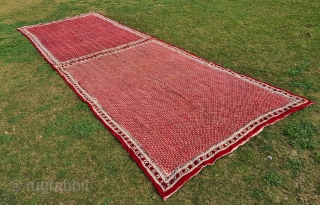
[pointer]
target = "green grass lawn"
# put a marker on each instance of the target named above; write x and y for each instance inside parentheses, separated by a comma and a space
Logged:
(47, 135)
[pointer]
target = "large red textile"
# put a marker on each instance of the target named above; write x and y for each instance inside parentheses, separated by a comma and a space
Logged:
(173, 112)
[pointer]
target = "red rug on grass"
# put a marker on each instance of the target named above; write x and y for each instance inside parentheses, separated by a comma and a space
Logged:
(174, 113)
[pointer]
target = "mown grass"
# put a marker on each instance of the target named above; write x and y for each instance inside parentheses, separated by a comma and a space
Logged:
(48, 135)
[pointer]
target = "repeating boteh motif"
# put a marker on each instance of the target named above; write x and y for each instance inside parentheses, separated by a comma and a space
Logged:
(175, 113)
